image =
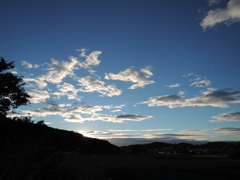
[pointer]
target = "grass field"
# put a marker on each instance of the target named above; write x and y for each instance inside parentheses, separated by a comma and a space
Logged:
(151, 166)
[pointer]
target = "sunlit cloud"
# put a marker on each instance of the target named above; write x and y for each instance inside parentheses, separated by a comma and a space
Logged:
(38, 96)
(131, 75)
(92, 84)
(215, 98)
(39, 83)
(60, 69)
(230, 116)
(228, 15)
(67, 89)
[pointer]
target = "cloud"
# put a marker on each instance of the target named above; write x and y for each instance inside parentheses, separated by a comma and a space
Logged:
(201, 82)
(68, 90)
(92, 84)
(213, 2)
(228, 129)
(39, 82)
(60, 69)
(38, 96)
(91, 59)
(215, 98)
(143, 130)
(174, 85)
(110, 118)
(29, 65)
(189, 74)
(131, 75)
(230, 116)
(228, 15)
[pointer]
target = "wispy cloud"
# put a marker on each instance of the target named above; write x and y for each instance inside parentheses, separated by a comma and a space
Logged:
(174, 85)
(131, 75)
(215, 98)
(201, 83)
(213, 2)
(110, 118)
(230, 116)
(228, 15)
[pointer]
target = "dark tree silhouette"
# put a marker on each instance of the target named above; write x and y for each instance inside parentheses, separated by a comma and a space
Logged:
(12, 93)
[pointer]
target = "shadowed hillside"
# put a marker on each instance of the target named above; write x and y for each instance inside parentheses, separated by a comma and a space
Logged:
(29, 150)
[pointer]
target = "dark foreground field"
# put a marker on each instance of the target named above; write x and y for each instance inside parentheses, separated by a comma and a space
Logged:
(151, 166)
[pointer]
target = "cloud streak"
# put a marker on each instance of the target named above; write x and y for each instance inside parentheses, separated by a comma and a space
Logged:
(230, 116)
(215, 98)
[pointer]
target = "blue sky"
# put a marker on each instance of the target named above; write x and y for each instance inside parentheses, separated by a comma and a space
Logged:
(129, 71)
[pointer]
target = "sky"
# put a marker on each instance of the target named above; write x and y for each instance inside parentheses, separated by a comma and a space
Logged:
(128, 71)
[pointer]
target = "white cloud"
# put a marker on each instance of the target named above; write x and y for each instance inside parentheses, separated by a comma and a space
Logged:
(131, 75)
(92, 84)
(60, 69)
(39, 82)
(215, 98)
(68, 90)
(14, 72)
(38, 96)
(230, 116)
(91, 59)
(29, 65)
(174, 85)
(228, 15)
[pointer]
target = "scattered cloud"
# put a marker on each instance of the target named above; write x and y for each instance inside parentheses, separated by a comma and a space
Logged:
(60, 69)
(215, 98)
(131, 75)
(39, 82)
(228, 15)
(29, 65)
(92, 84)
(230, 116)
(38, 96)
(91, 59)
(174, 85)
(67, 89)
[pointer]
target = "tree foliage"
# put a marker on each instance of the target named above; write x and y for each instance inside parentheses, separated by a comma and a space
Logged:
(12, 93)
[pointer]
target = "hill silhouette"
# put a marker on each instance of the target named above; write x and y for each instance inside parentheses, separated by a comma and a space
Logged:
(29, 150)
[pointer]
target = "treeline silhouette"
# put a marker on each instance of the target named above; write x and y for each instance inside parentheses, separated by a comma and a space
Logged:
(231, 149)
(32, 150)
